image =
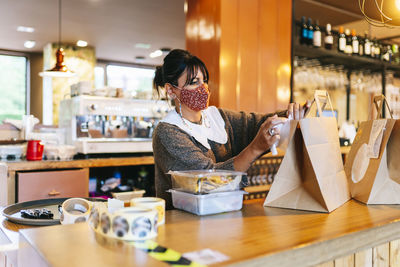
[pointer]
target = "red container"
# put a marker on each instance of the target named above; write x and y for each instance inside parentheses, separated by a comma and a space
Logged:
(34, 150)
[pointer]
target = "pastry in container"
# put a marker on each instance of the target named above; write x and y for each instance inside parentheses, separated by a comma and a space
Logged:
(207, 181)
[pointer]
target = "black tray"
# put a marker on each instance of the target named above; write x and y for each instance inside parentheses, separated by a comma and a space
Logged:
(13, 214)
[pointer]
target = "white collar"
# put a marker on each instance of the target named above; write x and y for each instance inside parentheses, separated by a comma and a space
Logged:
(215, 132)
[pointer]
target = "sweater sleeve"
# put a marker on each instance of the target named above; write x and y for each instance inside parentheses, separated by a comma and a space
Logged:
(174, 149)
(243, 127)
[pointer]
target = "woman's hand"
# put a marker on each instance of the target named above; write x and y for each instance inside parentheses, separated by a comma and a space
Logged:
(297, 112)
(267, 135)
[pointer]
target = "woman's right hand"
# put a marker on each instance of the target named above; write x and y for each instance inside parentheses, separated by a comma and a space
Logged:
(267, 135)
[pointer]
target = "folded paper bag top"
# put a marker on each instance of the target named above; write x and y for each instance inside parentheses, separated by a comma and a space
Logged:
(372, 165)
(311, 176)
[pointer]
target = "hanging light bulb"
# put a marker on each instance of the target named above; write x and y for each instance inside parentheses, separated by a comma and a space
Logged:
(60, 69)
(381, 13)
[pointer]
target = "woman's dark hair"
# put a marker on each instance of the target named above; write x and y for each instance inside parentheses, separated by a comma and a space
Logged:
(175, 63)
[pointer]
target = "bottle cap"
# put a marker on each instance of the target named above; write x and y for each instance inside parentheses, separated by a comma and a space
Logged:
(341, 29)
(353, 32)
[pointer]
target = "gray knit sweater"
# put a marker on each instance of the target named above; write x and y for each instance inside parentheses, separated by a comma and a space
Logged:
(176, 150)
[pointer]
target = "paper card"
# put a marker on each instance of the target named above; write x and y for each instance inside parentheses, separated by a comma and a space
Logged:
(206, 256)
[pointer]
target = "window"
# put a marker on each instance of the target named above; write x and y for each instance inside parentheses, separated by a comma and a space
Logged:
(98, 77)
(136, 82)
(13, 87)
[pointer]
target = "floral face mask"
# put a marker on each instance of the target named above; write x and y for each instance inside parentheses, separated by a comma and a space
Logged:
(196, 99)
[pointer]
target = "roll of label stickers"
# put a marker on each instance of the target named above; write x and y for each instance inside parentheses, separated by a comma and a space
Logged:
(75, 210)
(131, 224)
(153, 203)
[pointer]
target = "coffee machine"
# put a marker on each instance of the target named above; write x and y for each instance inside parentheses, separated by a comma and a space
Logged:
(97, 124)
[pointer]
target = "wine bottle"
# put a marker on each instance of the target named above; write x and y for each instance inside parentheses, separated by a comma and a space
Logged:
(317, 35)
(388, 54)
(354, 42)
(328, 37)
(310, 31)
(367, 46)
(349, 48)
(377, 46)
(360, 46)
(395, 57)
(341, 40)
(303, 31)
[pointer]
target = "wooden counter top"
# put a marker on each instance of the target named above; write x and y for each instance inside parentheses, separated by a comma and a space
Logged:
(24, 165)
(254, 236)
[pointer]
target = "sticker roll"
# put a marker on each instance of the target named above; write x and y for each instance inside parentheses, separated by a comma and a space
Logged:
(130, 224)
(75, 210)
(154, 203)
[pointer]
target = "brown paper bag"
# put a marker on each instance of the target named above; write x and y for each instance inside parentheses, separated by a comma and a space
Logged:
(372, 166)
(311, 175)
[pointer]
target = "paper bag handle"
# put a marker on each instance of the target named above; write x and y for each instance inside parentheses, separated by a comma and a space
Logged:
(379, 101)
(321, 98)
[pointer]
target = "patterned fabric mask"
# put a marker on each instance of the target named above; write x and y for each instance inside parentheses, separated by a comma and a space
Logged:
(196, 99)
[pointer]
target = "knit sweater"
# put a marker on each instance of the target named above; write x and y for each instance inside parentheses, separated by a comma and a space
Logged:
(176, 150)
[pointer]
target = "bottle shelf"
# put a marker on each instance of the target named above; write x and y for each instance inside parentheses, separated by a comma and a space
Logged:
(352, 62)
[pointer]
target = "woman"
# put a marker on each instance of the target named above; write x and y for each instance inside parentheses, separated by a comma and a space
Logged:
(195, 136)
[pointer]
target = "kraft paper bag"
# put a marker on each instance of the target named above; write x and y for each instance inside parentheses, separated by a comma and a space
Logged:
(372, 166)
(311, 175)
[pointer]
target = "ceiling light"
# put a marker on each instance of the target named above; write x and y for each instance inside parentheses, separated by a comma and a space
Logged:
(60, 69)
(381, 13)
(25, 29)
(29, 44)
(398, 4)
(142, 45)
(185, 7)
(156, 53)
(81, 43)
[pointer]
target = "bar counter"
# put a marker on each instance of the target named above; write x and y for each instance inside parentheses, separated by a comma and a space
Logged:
(254, 236)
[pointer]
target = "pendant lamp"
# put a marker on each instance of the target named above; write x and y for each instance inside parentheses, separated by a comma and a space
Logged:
(60, 69)
(381, 13)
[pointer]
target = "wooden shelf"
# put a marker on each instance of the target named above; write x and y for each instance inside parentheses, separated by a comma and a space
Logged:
(81, 163)
(328, 57)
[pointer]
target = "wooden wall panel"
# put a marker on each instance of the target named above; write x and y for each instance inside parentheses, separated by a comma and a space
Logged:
(327, 264)
(268, 58)
(363, 258)
(250, 50)
(394, 253)
(380, 256)
(347, 261)
(202, 38)
(248, 54)
(284, 45)
(228, 62)
(385, 255)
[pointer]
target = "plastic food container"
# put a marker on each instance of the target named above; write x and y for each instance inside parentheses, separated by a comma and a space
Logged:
(14, 151)
(206, 181)
(59, 152)
(208, 203)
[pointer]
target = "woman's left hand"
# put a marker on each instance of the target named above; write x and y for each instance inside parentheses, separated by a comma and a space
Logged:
(297, 111)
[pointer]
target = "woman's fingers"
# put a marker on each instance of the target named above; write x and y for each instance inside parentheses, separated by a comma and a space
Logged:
(306, 108)
(296, 111)
(290, 110)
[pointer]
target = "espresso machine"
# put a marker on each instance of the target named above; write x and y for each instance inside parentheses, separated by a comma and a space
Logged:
(97, 124)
